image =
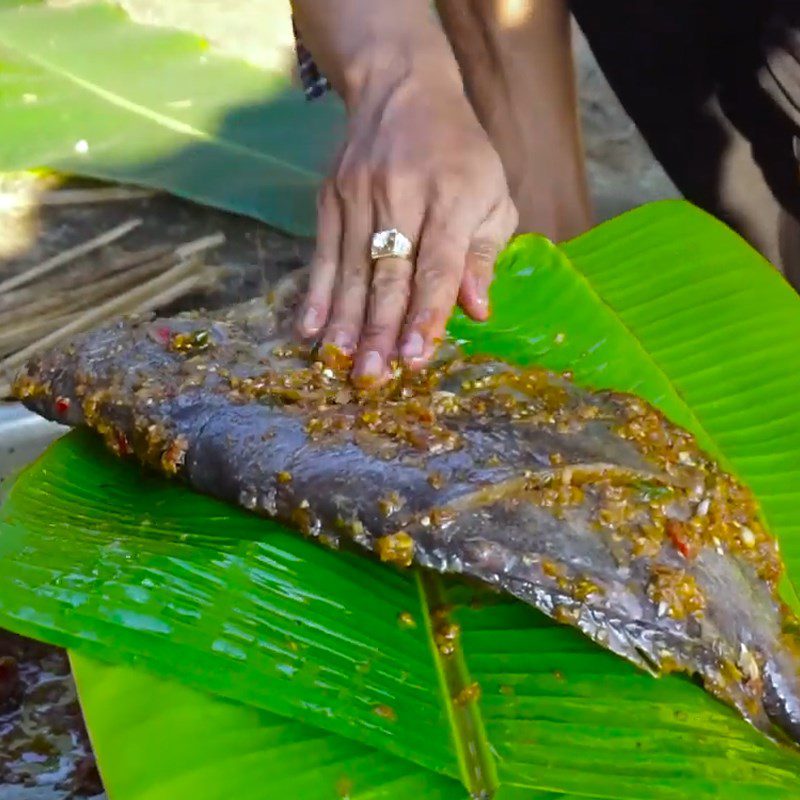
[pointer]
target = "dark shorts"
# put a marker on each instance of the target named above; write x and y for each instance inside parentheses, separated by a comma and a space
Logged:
(714, 88)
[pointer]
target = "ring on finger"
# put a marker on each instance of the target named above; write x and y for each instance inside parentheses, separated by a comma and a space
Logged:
(390, 243)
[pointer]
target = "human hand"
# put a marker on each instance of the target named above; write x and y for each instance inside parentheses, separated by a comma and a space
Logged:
(416, 159)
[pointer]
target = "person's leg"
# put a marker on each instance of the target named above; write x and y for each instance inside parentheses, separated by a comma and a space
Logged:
(687, 72)
(516, 61)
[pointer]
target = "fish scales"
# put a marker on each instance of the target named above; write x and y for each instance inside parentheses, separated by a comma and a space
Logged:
(590, 506)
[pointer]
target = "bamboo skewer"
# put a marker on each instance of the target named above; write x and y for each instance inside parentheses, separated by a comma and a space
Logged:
(65, 256)
(31, 294)
(32, 320)
(78, 298)
(73, 197)
(173, 292)
(92, 316)
(137, 269)
(20, 336)
(196, 246)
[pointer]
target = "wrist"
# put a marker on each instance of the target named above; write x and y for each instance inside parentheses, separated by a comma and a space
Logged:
(414, 63)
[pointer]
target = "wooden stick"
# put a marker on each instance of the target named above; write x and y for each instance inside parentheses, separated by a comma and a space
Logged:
(44, 304)
(65, 256)
(157, 291)
(126, 260)
(30, 296)
(79, 298)
(70, 197)
(12, 339)
(199, 245)
(173, 293)
(181, 252)
(133, 297)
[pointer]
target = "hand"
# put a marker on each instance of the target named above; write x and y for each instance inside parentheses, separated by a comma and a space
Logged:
(416, 159)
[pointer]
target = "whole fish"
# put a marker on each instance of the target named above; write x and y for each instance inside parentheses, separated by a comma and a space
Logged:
(590, 506)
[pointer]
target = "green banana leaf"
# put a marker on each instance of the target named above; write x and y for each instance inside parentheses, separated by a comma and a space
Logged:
(87, 91)
(308, 644)
(161, 740)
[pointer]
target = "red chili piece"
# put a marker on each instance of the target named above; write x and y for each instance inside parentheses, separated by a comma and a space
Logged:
(123, 445)
(675, 531)
(62, 405)
(163, 333)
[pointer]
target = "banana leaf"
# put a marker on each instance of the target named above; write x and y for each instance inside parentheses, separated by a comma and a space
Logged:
(159, 739)
(84, 90)
(292, 648)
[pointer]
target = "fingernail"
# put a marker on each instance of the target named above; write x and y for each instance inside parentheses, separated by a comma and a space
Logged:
(371, 365)
(413, 346)
(311, 320)
(482, 287)
(342, 341)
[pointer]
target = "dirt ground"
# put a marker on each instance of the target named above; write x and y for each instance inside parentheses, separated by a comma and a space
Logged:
(44, 752)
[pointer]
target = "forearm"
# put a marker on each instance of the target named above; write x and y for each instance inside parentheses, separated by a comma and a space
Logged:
(360, 43)
(516, 61)
(415, 159)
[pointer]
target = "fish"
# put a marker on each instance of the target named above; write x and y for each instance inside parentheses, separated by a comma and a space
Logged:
(590, 506)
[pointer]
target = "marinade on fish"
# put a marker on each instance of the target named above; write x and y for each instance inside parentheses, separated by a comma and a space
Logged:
(590, 506)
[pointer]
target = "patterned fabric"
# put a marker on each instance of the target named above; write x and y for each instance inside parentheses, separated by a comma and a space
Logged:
(315, 84)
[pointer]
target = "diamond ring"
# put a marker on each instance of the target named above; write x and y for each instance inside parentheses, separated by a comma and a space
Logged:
(390, 244)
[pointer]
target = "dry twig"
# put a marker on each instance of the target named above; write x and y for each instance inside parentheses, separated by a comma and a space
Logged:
(65, 256)
(72, 197)
(33, 318)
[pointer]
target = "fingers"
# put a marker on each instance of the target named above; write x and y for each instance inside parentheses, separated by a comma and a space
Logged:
(373, 311)
(439, 270)
(487, 241)
(352, 281)
(396, 207)
(365, 308)
(316, 306)
(386, 310)
(473, 295)
(454, 264)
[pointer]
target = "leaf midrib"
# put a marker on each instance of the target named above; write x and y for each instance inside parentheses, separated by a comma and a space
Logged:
(473, 749)
(151, 115)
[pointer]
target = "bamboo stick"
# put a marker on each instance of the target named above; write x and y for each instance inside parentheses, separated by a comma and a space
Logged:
(199, 245)
(74, 324)
(12, 339)
(173, 293)
(111, 194)
(42, 322)
(133, 297)
(29, 295)
(72, 197)
(65, 256)
(72, 299)
(64, 300)
(81, 297)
